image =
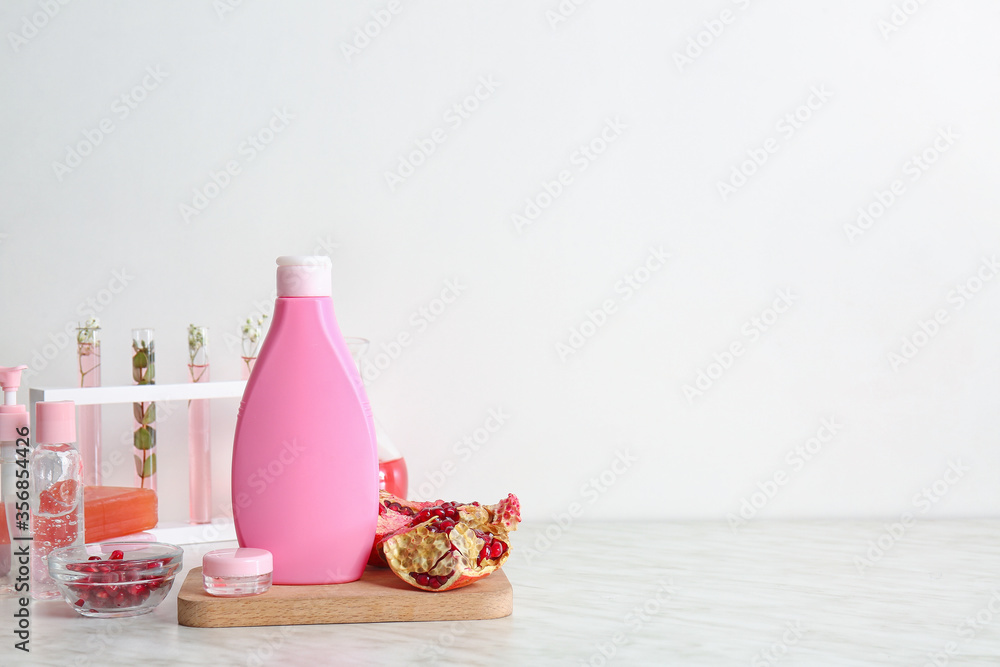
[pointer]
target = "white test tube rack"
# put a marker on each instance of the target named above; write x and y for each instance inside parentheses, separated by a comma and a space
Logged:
(221, 528)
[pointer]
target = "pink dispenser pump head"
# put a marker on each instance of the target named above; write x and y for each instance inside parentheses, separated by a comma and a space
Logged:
(12, 416)
(10, 380)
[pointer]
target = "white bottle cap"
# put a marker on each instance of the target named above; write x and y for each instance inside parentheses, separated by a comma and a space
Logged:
(304, 275)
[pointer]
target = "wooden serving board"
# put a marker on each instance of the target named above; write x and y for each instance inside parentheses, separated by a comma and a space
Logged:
(379, 596)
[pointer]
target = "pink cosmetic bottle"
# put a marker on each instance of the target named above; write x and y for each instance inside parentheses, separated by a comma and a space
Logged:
(305, 467)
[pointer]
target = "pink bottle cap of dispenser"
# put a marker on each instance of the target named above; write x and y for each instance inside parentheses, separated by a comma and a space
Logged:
(55, 422)
(12, 416)
(10, 377)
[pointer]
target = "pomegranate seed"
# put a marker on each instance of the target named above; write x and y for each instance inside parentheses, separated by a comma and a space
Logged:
(438, 513)
(117, 554)
(484, 553)
(94, 558)
(422, 579)
(496, 549)
(79, 602)
(452, 513)
(435, 584)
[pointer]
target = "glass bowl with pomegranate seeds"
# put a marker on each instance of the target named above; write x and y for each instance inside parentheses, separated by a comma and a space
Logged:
(115, 579)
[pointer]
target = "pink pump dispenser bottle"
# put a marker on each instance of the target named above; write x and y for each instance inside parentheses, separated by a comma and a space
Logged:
(305, 467)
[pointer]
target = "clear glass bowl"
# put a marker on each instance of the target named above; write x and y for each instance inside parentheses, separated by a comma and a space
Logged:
(95, 584)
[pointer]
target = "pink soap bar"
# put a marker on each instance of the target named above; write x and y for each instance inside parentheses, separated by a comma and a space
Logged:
(116, 511)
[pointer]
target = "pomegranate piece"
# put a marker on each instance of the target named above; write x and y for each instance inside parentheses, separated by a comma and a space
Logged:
(439, 546)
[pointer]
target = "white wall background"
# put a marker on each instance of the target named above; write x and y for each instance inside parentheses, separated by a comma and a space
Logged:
(320, 186)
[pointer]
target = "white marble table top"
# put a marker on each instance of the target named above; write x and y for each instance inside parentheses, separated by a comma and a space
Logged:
(788, 593)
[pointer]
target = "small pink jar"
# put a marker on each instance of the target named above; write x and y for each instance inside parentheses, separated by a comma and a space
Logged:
(237, 572)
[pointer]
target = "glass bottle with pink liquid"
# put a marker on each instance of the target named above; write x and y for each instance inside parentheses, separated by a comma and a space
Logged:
(144, 432)
(88, 354)
(56, 473)
(392, 474)
(199, 431)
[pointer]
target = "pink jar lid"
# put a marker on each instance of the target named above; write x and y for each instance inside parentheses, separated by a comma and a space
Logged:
(55, 422)
(239, 562)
